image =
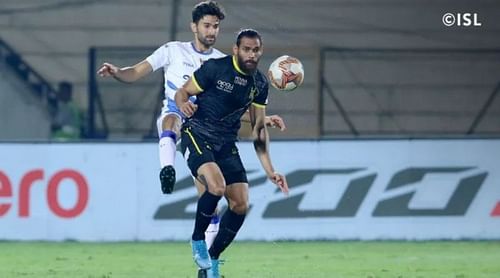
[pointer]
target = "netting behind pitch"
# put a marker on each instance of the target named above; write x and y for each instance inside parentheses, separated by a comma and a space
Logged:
(411, 92)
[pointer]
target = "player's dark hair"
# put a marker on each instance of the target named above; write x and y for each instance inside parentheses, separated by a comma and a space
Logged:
(248, 33)
(208, 7)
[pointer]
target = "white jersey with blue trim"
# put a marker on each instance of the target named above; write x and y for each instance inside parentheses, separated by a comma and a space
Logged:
(179, 60)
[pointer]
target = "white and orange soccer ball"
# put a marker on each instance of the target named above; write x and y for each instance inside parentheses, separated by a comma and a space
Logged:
(286, 73)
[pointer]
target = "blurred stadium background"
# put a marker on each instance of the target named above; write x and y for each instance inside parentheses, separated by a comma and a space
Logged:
(391, 66)
(394, 103)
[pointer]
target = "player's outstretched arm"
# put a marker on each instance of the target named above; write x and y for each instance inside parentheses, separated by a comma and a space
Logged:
(126, 74)
(261, 145)
(274, 121)
(182, 98)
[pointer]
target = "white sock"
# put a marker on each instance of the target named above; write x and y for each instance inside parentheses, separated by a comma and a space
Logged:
(212, 231)
(167, 149)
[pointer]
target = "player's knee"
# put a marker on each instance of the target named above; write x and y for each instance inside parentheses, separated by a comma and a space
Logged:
(172, 122)
(217, 189)
(240, 207)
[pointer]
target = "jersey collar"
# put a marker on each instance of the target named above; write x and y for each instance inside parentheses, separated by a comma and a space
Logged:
(201, 52)
(236, 66)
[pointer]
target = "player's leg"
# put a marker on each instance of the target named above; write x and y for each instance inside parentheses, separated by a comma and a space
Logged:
(236, 193)
(202, 273)
(201, 163)
(232, 219)
(213, 228)
(168, 129)
(211, 177)
(230, 224)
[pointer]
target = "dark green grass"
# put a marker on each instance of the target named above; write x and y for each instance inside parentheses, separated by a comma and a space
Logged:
(254, 259)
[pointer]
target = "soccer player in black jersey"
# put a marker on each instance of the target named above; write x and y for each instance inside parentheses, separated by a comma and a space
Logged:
(224, 88)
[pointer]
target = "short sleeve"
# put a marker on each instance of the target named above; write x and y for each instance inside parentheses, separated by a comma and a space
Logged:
(203, 76)
(160, 57)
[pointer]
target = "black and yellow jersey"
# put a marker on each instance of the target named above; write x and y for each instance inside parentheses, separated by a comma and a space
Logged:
(227, 92)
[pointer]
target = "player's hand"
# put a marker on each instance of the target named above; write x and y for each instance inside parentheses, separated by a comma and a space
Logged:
(275, 121)
(107, 69)
(280, 181)
(188, 108)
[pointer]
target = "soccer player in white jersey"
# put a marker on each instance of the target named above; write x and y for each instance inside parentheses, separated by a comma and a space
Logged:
(179, 60)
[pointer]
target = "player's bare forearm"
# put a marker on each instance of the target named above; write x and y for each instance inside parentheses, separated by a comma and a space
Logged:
(261, 145)
(261, 138)
(182, 98)
(125, 74)
(246, 117)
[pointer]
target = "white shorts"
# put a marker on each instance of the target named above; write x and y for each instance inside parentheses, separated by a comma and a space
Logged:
(169, 108)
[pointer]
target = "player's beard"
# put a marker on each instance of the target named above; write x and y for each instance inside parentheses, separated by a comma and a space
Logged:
(247, 66)
(207, 41)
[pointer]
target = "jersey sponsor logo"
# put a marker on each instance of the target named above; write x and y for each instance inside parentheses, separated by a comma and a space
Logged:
(240, 81)
(188, 64)
(225, 86)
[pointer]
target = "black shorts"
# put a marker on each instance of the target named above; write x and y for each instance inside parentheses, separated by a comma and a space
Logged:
(199, 151)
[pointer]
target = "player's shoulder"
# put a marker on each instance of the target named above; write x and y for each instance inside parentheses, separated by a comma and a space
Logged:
(261, 78)
(216, 53)
(175, 45)
(220, 61)
(224, 59)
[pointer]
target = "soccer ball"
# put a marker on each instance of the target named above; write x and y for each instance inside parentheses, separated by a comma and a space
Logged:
(286, 73)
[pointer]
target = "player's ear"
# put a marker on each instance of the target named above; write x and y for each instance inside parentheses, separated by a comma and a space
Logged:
(235, 50)
(193, 27)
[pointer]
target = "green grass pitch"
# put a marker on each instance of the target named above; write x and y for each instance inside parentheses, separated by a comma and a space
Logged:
(254, 259)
